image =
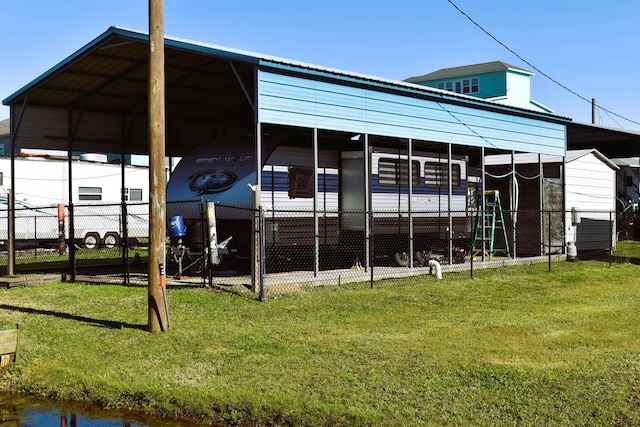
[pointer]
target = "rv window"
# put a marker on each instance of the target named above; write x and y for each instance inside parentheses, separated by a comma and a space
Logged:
(132, 194)
(393, 173)
(436, 174)
(300, 182)
(89, 193)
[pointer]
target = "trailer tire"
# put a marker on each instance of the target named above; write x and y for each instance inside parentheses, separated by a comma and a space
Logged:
(111, 240)
(91, 240)
(402, 259)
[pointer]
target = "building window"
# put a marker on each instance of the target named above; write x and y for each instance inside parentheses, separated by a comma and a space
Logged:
(436, 175)
(132, 194)
(475, 85)
(393, 173)
(471, 85)
(466, 86)
(89, 193)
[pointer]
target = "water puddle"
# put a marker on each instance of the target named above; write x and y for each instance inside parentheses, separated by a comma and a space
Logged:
(26, 411)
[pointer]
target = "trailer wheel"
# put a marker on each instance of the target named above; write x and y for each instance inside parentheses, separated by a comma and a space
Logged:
(111, 240)
(401, 259)
(91, 240)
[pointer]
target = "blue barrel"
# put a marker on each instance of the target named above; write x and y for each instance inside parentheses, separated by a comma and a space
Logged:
(177, 227)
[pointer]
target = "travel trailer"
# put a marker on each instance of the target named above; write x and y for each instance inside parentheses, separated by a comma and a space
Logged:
(226, 174)
(42, 186)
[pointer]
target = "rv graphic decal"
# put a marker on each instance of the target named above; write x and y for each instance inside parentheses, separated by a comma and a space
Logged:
(212, 181)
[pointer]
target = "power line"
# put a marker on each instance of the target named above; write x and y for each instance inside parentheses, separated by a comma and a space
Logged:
(536, 68)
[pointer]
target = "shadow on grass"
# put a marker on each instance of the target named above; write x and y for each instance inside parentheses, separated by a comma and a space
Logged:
(96, 322)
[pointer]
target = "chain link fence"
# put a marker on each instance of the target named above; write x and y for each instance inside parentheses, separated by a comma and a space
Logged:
(296, 250)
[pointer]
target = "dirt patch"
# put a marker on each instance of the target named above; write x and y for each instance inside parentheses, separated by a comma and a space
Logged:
(7, 282)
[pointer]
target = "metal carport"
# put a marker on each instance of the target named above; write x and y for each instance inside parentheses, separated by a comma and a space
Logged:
(96, 101)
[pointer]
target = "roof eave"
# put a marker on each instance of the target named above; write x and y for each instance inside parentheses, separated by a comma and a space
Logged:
(604, 159)
(68, 60)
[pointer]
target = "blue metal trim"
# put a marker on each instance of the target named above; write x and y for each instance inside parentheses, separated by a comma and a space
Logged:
(410, 88)
(293, 100)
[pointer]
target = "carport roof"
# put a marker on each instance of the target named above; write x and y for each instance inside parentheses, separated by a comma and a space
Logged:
(608, 141)
(208, 83)
(109, 74)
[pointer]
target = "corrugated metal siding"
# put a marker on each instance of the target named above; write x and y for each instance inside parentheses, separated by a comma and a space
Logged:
(295, 101)
(590, 186)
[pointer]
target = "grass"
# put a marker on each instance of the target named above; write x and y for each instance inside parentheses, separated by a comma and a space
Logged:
(50, 259)
(512, 346)
(627, 248)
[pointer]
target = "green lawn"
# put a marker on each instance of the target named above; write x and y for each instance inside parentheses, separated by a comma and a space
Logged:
(514, 346)
(627, 248)
(50, 259)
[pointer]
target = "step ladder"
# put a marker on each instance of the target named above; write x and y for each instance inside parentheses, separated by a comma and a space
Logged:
(493, 222)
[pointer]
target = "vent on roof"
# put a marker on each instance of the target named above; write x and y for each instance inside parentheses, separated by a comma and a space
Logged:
(93, 157)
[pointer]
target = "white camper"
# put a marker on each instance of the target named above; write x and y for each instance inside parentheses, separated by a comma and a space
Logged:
(42, 184)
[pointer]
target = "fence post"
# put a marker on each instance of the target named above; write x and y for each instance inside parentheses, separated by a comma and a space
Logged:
(261, 262)
(549, 237)
(11, 238)
(72, 244)
(611, 234)
(204, 236)
(255, 244)
(124, 241)
(35, 236)
(473, 245)
(371, 246)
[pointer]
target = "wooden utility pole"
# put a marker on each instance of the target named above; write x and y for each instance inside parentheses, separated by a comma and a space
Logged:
(158, 310)
(593, 111)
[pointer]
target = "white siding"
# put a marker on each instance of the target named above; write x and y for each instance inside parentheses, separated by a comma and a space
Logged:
(590, 189)
(590, 185)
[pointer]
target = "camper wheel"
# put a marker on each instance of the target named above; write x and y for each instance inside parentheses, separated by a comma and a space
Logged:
(91, 240)
(111, 240)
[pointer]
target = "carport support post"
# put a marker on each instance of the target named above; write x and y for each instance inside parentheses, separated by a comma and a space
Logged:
(257, 252)
(124, 217)
(450, 195)
(11, 260)
(72, 224)
(316, 230)
(514, 204)
(409, 197)
(158, 313)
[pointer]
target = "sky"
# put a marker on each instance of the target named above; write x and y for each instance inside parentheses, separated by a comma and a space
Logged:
(591, 47)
